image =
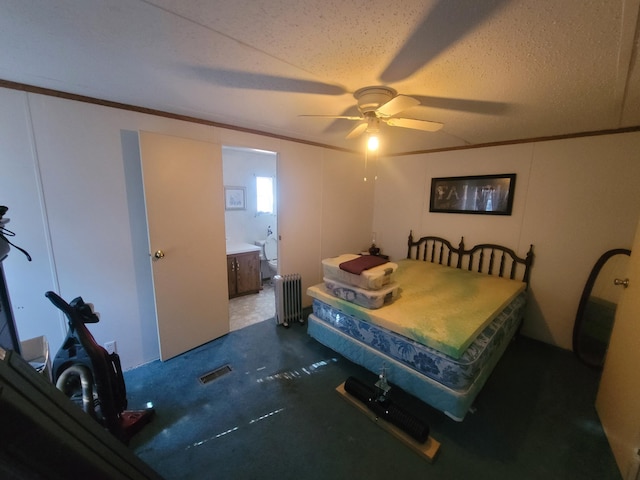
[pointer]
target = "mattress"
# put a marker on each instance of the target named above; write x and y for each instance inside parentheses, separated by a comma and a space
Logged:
(373, 279)
(441, 307)
(360, 296)
(457, 374)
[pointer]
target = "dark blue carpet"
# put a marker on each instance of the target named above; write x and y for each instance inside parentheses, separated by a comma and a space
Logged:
(277, 415)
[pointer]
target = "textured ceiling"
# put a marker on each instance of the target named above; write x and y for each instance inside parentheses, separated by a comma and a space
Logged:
(490, 71)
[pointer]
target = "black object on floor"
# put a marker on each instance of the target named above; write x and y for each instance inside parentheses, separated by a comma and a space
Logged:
(387, 409)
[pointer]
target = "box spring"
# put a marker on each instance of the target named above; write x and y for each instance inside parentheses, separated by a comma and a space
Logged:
(457, 374)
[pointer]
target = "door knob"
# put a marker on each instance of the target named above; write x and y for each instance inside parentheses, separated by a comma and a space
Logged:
(624, 283)
(159, 254)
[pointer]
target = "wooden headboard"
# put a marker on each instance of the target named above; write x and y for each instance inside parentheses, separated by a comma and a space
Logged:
(486, 258)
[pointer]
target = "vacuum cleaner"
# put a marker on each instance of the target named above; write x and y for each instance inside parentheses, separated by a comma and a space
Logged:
(90, 376)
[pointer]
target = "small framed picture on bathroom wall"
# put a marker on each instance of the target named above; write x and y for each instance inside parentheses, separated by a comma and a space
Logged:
(234, 198)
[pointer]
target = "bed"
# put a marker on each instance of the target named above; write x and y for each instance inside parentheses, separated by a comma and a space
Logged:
(440, 337)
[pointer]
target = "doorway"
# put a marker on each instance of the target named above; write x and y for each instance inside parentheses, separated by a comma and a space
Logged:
(251, 225)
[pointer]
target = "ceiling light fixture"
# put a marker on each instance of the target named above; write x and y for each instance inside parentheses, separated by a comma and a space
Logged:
(373, 128)
(373, 142)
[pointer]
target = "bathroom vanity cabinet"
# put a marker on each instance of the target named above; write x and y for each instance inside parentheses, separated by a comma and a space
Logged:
(243, 273)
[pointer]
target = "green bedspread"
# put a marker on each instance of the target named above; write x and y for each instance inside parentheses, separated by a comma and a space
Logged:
(442, 307)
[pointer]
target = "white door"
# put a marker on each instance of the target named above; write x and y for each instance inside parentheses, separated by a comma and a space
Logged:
(183, 191)
(618, 400)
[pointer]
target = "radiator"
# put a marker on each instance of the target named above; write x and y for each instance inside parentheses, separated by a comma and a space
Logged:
(288, 290)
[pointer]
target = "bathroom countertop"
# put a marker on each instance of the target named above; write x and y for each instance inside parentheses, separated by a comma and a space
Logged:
(235, 248)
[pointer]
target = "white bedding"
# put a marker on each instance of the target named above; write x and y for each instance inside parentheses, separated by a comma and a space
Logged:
(373, 279)
(361, 296)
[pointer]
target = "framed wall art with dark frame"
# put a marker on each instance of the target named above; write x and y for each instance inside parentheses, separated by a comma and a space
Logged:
(234, 198)
(479, 194)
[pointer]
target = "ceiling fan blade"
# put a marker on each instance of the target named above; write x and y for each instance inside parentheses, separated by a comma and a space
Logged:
(444, 24)
(337, 126)
(483, 107)
(358, 130)
(424, 125)
(345, 117)
(258, 81)
(396, 105)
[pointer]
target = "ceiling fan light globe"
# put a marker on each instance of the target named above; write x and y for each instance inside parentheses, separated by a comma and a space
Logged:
(373, 143)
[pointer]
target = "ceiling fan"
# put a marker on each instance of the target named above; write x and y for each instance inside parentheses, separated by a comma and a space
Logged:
(381, 104)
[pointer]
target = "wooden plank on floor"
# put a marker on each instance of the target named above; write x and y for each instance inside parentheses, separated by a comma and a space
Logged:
(427, 450)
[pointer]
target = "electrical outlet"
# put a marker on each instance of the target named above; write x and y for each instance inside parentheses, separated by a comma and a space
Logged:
(110, 347)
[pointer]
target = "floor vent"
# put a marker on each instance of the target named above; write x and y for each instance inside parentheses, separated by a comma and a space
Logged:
(217, 373)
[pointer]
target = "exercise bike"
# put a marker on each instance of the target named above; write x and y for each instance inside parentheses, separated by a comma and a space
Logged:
(90, 376)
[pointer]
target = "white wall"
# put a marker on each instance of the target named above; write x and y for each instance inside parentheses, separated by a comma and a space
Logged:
(21, 191)
(241, 166)
(324, 209)
(70, 175)
(574, 199)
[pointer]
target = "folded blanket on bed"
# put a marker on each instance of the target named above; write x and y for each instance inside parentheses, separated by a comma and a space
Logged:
(362, 263)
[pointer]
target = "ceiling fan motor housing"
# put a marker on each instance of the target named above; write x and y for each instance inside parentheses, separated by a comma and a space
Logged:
(371, 98)
(380, 104)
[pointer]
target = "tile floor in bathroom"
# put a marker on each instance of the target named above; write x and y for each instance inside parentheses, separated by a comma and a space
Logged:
(250, 309)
